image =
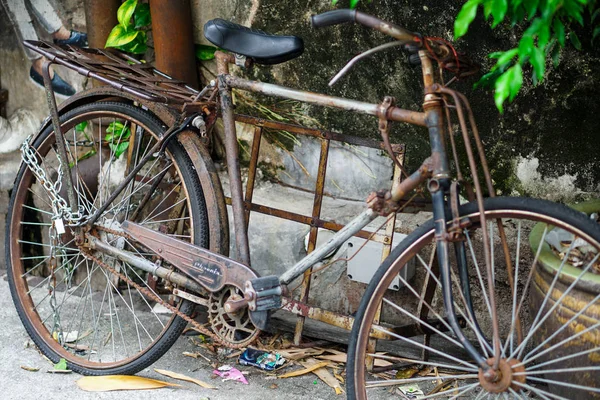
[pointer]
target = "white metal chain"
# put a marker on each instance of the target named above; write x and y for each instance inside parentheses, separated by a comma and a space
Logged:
(60, 208)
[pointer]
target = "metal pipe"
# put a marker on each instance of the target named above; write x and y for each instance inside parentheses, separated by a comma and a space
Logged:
(172, 31)
(362, 220)
(100, 19)
(233, 167)
(58, 136)
(394, 114)
(145, 265)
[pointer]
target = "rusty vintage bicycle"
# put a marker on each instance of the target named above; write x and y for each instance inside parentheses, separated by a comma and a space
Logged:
(117, 208)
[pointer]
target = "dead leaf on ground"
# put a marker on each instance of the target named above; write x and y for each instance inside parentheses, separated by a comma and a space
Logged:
(305, 370)
(182, 377)
(196, 355)
(30, 369)
(274, 386)
(120, 382)
(340, 358)
(297, 354)
(324, 375)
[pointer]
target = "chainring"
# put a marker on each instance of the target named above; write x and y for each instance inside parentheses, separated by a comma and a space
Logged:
(236, 328)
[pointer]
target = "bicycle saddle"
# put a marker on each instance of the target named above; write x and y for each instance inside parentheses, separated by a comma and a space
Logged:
(261, 47)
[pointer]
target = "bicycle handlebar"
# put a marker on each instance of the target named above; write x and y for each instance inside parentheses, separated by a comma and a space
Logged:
(343, 16)
(334, 17)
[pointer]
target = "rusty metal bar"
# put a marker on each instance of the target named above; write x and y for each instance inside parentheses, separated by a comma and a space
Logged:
(394, 113)
(346, 321)
(385, 252)
(314, 232)
(252, 171)
(306, 220)
(100, 19)
(172, 31)
(233, 161)
(319, 133)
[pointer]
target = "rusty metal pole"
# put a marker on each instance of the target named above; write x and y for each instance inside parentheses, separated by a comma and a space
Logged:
(100, 19)
(174, 40)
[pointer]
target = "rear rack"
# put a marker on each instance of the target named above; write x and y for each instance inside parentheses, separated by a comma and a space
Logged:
(126, 74)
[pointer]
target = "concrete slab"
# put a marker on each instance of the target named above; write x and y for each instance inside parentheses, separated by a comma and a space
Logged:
(16, 383)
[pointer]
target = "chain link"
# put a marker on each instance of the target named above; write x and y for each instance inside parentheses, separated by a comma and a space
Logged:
(57, 332)
(60, 208)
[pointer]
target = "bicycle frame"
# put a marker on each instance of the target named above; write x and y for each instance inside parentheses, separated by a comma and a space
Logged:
(435, 170)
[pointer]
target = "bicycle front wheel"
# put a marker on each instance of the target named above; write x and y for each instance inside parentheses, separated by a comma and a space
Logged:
(548, 307)
(75, 308)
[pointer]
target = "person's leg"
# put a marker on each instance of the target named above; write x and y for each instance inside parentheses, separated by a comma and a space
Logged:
(49, 19)
(47, 16)
(22, 23)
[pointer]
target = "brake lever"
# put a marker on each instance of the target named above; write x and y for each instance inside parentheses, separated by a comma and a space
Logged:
(359, 57)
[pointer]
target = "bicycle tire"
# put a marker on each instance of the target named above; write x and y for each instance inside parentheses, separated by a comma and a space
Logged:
(174, 189)
(545, 343)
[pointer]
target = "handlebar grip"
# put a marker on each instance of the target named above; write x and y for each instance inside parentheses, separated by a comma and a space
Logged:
(334, 17)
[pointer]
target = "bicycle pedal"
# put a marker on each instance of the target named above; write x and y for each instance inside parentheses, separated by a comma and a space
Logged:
(265, 293)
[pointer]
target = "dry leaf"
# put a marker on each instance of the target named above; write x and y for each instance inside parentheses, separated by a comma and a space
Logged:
(120, 382)
(340, 358)
(304, 371)
(324, 375)
(30, 369)
(182, 377)
(274, 386)
(297, 354)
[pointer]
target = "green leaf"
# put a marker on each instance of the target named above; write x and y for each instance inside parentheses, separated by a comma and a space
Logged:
(575, 40)
(487, 8)
(555, 56)
(595, 14)
(525, 47)
(502, 90)
(141, 16)
(61, 365)
(543, 35)
(596, 33)
(353, 3)
(534, 27)
(495, 54)
(204, 52)
(516, 81)
(506, 58)
(81, 126)
(334, 2)
(499, 8)
(125, 12)
(120, 36)
(559, 31)
(137, 46)
(464, 18)
(574, 10)
(518, 16)
(115, 126)
(538, 60)
(118, 149)
(530, 7)
(488, 79)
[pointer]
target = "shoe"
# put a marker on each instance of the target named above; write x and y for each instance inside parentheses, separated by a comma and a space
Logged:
(59, 86)
(77, 39)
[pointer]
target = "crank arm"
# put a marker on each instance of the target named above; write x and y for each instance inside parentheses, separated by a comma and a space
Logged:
(211, 270)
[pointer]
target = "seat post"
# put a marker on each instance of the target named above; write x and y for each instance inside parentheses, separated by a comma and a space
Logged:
(233, 160)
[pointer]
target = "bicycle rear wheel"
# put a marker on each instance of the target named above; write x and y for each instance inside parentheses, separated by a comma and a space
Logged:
(549, 317)
(74, 308)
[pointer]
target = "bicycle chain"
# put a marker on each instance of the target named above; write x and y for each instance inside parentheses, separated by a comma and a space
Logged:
(197, 326)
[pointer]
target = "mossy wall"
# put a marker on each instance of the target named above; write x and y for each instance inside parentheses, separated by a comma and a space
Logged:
(555, 122)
